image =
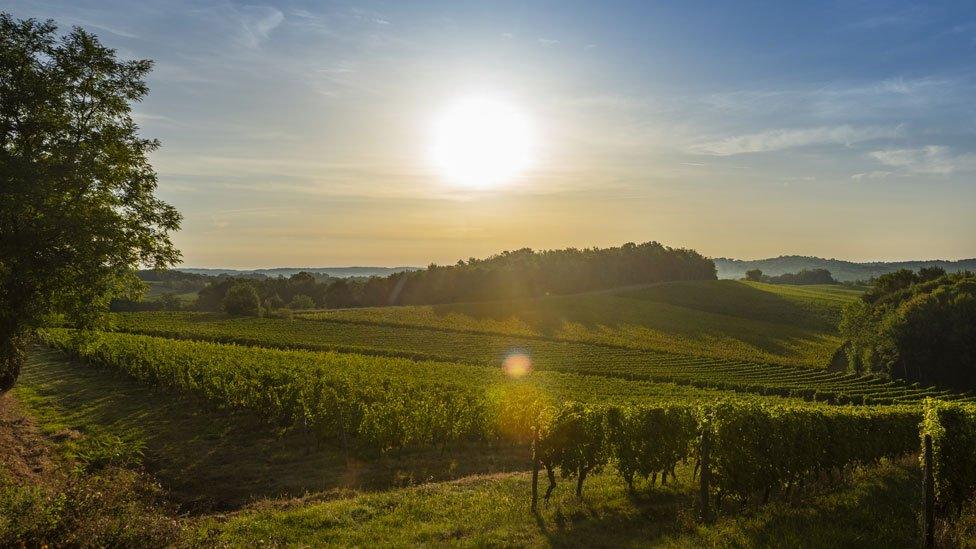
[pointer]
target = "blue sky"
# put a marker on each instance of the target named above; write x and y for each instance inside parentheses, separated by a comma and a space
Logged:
(295, 133)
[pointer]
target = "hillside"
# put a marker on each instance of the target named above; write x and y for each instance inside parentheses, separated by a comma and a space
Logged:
(722, 319)
(841, 270)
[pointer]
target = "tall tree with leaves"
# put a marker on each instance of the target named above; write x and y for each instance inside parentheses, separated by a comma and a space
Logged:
(77, 206)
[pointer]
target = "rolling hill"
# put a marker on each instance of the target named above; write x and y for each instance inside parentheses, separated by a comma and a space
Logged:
(842, 270)
(721, 319)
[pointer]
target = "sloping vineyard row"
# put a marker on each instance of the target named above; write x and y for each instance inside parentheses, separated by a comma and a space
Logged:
(382, 403)
(562, 356)
(374, 404)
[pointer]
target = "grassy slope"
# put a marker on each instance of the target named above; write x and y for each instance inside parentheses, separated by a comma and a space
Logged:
(204, 455)
(722, 319)
(876, 509)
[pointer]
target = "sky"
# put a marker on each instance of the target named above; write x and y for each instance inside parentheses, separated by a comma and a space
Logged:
(298, 133)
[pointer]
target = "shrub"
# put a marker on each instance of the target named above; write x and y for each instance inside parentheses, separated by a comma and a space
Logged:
(242, 299)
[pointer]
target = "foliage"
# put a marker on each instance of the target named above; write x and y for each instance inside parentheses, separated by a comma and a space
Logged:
(575, 440)
(518, 274)
(112, 507)
(916, 328)
(806, 276)
(953, 431)
(527, 273)
(651, 440)
(758, 449)
(603, 359)
(301, 301)
(781, 324)
(242, 300)
(755, 275)
(378, 403)
(78, 211)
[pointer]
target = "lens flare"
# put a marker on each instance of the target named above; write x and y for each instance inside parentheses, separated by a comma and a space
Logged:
(517, 364)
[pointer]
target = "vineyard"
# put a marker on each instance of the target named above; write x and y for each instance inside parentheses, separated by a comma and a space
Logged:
(490, 349)
(720, 319)
(744, 449)
(757, 447)
(341, 395)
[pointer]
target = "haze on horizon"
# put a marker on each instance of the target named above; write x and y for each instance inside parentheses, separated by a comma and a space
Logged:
(298, 133)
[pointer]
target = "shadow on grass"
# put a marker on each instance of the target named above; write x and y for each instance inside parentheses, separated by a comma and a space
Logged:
(877, 507)
(213, 459)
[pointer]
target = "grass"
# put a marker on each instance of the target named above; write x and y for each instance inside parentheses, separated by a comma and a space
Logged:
(876, 508)
(721, 319)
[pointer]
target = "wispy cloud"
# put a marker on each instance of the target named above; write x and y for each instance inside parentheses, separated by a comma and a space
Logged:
(775, 140)
(874, 174)
(932, 159)
(258, 22)
(548, 42)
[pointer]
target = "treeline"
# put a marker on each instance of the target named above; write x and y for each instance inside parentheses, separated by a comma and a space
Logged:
(508, 275)
(806, 276)
(917, 326)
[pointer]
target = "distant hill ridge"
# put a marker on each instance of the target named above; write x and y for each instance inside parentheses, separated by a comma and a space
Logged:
(338, 272)
(842, 270)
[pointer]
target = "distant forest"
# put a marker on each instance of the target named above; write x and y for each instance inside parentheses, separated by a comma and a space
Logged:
(843, 271)
(510, 274)
(806, 276)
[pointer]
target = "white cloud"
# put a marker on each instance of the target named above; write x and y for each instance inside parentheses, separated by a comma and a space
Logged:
(548, 42)
(875, 174)
(932, 159)
(775, 140)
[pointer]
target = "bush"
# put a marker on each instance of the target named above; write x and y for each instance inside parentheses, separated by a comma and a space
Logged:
(301, 301)
(111, 508)
(953, 431)
(242, 299)
(918, 330)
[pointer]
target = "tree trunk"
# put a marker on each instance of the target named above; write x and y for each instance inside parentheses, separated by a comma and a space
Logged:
(579, 481)
(13, 350)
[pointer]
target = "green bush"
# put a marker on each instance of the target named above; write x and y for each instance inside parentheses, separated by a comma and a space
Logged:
(243, 300)
(109, 508)
(953, 431)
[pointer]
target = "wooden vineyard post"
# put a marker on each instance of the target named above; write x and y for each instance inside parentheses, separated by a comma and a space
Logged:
(535, 469)
(704, 477)
(929, 495)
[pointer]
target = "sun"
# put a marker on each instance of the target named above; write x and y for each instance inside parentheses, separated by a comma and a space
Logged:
(481, 143)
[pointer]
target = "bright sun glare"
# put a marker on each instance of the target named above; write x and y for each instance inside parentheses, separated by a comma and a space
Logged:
(481, 143)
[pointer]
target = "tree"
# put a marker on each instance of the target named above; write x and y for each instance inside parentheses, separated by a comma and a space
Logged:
(301, 301)
(77, 207)
(339, 294)
(170, 302)
(242, 299)
(755, 275)
(923, 332)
